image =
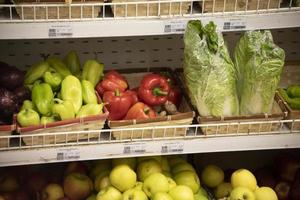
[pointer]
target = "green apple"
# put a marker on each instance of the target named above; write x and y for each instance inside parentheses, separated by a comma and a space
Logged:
(92, 197)
(52, 192)
(212, 176)
(242, 193)
(147, 167)
(154, 183)
(131, 162)
(265, 193)
(243, 177)
(134, 194)
(172, 183)
(99, 179)
(182, 167)
(98, 167)
(122, 177)
(181, 192)
(109, 193)
(77, 186)
(188, 178)
(202, 191)
(200, 197)
(138, 185)
(223, 190)
(165, 164)
(174, 160)
(162, 196)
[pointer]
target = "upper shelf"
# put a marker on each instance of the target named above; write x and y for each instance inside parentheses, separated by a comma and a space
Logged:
(81, 20)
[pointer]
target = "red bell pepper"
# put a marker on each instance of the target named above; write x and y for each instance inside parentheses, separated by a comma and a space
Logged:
(175, 96)
(112, 81)
(118, 103)
(133, 94)
(140, 111)
(154, 89)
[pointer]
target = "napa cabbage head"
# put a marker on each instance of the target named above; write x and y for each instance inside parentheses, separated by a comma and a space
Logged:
(209, 73)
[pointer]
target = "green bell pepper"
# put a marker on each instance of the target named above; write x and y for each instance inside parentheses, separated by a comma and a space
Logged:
(72, 62)
(294, 103)
(59, 66)
(92, 71)
(90, 109)
(42, 97)
(63, 109)
(28, 117)
(71, 91)
(46, 120)
(27, 104)
(88, 92)
(53, 79)
(35, 72)
(294, 91)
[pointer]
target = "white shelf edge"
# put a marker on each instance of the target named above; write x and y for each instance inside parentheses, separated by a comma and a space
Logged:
(142, 27)
(154, 147)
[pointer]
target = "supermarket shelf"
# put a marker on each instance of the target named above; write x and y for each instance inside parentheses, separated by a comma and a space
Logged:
(193, 141)
(157, 24)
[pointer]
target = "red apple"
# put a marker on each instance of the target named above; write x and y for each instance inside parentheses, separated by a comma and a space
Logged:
(75, 167)
(287, 167)
(77, 186)
(282, 190)
(265, 177)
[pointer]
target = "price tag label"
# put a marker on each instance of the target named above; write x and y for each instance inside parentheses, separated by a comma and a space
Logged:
(68, 154)
(172, 147)
(234, 24)
(175, 27)
(134, 148)
(60, 31)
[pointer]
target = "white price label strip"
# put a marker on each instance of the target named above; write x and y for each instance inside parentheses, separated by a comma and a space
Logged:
(175, 27)
(172, 147)
(60, 31)
(68, 154)
(234, 24)
(134, 148)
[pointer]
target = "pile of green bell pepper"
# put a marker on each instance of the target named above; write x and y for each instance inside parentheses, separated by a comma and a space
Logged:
(60, 90)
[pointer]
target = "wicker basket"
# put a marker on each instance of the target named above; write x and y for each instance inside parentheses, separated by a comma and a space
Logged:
(238, 5)
(278, 113)
(184, 117)
(150, 9)
(6, 130)
(291, 76)
(56, 10)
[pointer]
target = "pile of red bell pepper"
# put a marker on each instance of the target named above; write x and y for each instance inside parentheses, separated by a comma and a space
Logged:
(124, 103)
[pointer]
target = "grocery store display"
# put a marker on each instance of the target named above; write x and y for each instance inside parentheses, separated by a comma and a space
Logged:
(259, 63)
(209, 73)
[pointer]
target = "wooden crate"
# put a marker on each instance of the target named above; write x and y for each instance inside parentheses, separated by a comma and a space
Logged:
(290, 76)
(278, 113)
(184, 117)
(238, 5)
(151, 9)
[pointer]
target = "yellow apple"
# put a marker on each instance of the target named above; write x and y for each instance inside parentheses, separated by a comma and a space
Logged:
(141, 159)
(154, 183)
(162, 196)
(138, 185)
(172, 183)
(223, 190)
(265, 193)
(52, 192)
(188, 178)
(98, 167)
(181, 192)
(131, 162)
(122, 177)
(134, 194)
(109, 193)
(147, 167)
(212, 176)
(242, 193)
(182, 167)
(243, 177)
(98, 179)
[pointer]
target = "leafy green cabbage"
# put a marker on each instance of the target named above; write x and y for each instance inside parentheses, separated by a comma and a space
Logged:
(209, 73)
(259, 63)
